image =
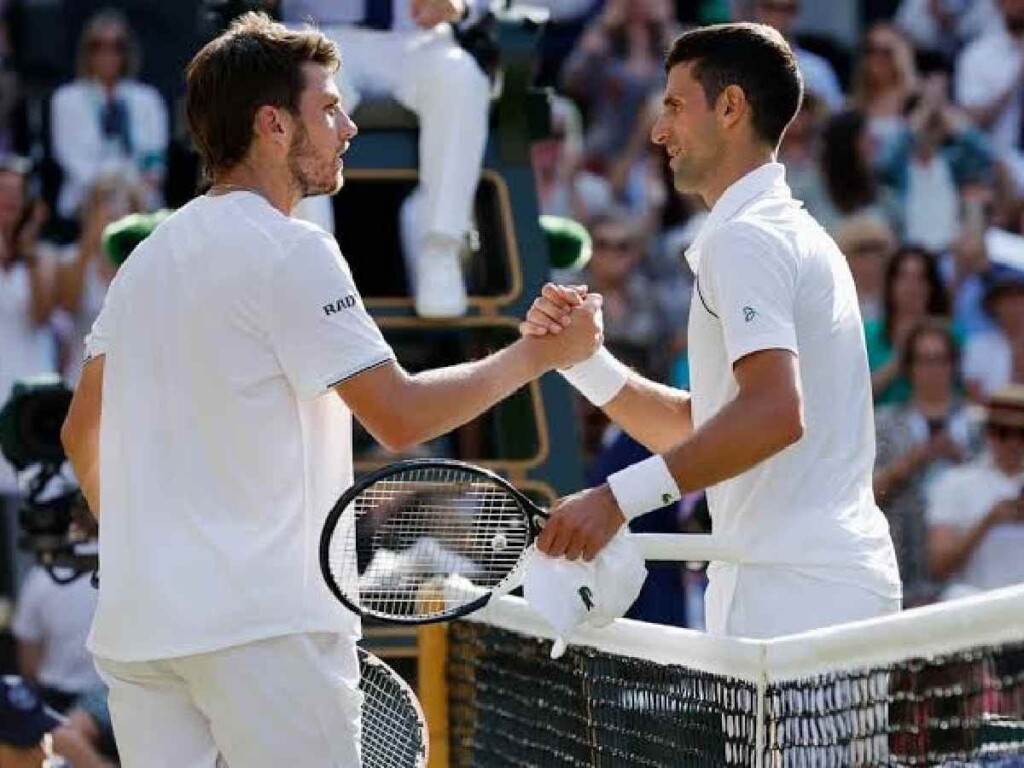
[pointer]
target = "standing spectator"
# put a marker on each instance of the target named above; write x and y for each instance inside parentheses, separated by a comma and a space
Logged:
(867, 242)
(917, 441)
(106, 123)
(847, 169)
(990, 81)
(617, 66)
(976, 512)
(912, 291)
(932, 157)
(885, 78)
(819, 78)
(995, 358)
(945, 26)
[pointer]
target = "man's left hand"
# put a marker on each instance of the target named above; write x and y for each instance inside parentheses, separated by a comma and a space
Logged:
(430, 13)
(581, 524)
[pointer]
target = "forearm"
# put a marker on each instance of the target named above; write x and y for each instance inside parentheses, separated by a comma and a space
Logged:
(896, 473)
(30, 655)
(655, 415)
(437, 401)
(951, 554)
(70, 280)
(41, 292)
(883, 377)
(84, 456)
(744, 433)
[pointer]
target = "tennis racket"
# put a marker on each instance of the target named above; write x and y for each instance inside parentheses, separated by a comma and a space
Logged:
(394, 540)
(394, 731)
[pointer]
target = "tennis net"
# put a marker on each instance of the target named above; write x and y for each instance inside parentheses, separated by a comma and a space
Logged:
(942, 685)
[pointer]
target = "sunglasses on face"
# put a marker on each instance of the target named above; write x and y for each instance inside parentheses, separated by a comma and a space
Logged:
(118, 45)
(877, 49)
(611, 244)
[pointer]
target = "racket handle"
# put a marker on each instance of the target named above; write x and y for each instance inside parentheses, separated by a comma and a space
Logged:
(692, 547)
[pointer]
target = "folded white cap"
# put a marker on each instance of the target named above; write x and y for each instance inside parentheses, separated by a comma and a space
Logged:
(572, 593)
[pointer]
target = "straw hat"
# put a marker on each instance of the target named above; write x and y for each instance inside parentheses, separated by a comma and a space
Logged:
(1005, 407)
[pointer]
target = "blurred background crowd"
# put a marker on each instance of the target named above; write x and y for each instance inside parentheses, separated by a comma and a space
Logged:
(909, 149)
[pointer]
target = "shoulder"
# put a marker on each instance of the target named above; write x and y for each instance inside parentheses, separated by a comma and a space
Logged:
(750, 238)
(71, 92)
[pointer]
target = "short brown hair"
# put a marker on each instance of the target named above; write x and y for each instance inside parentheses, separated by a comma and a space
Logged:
(256, 62)
(754, 57)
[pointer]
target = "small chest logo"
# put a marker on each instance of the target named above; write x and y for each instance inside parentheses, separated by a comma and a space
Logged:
(587, 597)
(749, 313)
(345, 302)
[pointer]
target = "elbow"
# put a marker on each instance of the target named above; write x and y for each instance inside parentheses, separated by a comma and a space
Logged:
(790, 425)
(399, 436)
(69, 436)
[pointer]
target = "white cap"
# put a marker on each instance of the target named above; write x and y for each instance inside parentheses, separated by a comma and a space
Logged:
(572, 593)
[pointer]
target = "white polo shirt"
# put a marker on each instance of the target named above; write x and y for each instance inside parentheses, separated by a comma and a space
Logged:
(769, 277)
(222, 445)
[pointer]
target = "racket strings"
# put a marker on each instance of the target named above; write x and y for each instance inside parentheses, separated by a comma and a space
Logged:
(410, 529)
(392, 724)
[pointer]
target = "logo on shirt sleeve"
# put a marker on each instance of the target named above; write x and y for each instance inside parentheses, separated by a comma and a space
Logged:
(749, 313)
(586, 596)
(345, 302)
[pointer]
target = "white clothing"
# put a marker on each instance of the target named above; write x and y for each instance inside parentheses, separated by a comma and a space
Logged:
(769, 277)
(327, 13)
(212, 709)
(819, 78)
(767, 602)
(961, 498)
(932, 208)
(223, 445)
(79, 323)
(988, 360)
(26, 349)
(430, 74)
(916, 19)
(985, 70)
(79, 146)
(58, 617)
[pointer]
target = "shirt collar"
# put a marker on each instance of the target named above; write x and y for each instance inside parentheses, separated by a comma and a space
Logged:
(764, 181)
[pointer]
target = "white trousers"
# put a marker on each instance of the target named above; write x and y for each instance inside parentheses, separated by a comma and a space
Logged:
(762, 602)
(283, 702)
(431, 75)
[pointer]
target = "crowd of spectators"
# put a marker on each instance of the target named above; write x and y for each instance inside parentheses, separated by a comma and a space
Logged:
(912, 157)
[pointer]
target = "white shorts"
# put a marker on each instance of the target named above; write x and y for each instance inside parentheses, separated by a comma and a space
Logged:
(284, 701)
(762, 602)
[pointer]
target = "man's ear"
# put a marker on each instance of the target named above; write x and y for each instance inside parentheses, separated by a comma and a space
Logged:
(732, 105)
(273, 124)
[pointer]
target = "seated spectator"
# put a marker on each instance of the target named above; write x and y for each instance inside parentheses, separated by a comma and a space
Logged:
(884, 80)
(995, 358)
(847, 169)
(618, 63)
(976, 512)
(867, 242)
(105, 122)
(27, 345)
(936, 154)
(387, 51)
(820, 79)
(917, 442)
(945, 27)
(989, 80)
(912, 291)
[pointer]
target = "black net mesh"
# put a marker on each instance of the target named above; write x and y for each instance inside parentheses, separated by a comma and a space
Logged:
(511, 705)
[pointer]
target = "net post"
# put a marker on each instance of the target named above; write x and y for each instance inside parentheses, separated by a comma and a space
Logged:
(432, 685)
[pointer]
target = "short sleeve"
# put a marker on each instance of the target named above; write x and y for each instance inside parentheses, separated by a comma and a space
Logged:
(944, 504)
(753, 282)
(27, 625)
(101, 336)
(318, 325)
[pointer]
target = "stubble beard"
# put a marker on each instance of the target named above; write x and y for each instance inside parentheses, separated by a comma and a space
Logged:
(310, 176)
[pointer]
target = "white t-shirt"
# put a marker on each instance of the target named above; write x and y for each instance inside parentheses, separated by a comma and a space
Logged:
(961, 498)
(769, 277)
(222, 444)
(988, 360)
(985, 70)
(58, 616)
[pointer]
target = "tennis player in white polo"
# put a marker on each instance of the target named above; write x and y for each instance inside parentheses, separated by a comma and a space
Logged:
(778, 426)
(212, 428)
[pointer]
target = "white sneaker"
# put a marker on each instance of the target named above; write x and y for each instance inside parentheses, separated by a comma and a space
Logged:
(440, 288)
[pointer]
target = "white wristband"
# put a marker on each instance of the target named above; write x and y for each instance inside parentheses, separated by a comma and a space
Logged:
(644, 487)
(598, 378)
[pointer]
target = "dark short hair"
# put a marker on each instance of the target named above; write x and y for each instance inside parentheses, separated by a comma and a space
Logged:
(256, 62)
(754, 57)
(938, 298)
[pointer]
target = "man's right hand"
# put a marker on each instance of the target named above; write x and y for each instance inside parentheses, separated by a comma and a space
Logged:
(550, 311)
(578, 338)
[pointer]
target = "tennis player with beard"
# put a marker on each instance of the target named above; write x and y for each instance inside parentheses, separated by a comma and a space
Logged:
(212, 429)
(778, 425)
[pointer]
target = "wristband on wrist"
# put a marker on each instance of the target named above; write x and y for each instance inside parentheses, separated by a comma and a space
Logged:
(644, 487)
(599, 378)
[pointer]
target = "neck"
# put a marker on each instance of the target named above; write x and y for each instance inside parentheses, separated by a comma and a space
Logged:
(737, 164)
(932, 403)
(264, 179)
